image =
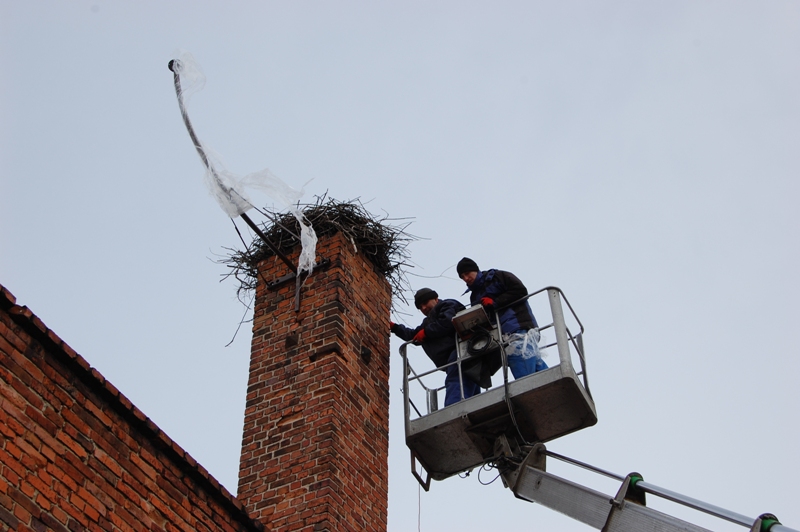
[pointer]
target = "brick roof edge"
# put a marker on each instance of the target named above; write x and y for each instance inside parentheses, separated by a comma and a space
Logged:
(28, 321)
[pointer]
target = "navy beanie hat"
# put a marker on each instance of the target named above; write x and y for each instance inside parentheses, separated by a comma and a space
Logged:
(466, 265)
(424, 295)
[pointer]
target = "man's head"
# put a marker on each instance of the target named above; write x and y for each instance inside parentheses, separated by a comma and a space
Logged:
(425, 299)
(467, 270)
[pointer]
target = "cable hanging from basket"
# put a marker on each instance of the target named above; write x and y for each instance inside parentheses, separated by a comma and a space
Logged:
(506, 391)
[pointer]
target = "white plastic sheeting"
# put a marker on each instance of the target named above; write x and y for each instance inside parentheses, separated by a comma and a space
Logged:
(230, 190)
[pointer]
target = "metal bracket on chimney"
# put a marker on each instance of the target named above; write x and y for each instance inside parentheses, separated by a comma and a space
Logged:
(272, 285)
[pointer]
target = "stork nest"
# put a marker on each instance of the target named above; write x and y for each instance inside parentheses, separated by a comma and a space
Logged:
(382, 242)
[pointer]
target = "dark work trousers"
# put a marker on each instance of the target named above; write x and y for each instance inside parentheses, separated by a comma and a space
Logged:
(452, 388)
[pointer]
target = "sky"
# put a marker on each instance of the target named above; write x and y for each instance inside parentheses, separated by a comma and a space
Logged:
(641, 156)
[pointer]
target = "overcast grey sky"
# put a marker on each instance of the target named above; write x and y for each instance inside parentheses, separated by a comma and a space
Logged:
(642, 156)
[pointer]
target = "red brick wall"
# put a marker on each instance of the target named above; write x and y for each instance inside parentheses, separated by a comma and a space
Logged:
(315, 443)
(76, 455)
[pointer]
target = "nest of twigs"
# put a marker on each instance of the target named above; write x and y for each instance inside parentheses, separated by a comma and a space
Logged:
(380, 240)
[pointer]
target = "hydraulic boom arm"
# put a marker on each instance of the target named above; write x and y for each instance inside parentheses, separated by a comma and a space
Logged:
(626, 512)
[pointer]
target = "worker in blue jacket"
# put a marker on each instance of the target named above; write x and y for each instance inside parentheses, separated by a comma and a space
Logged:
(437, 335)
(497, 290)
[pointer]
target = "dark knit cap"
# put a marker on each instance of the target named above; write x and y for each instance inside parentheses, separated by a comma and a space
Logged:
(424, 295)
(466, 265)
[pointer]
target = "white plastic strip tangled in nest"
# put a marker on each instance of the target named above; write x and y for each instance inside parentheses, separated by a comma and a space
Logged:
(230, 190)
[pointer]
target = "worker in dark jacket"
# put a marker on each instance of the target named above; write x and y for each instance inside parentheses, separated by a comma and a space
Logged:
(437, 335)
(497, 290)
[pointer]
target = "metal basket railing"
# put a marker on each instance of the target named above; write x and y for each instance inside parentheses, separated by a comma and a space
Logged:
(568, 344)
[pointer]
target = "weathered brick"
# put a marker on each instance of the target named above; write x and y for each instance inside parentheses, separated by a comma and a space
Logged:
(307, 400)
(8, 518)
(74, 455)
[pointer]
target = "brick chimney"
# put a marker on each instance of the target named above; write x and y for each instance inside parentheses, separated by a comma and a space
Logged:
(316, 427)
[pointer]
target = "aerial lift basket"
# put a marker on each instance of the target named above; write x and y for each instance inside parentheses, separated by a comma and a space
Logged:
(537, 408)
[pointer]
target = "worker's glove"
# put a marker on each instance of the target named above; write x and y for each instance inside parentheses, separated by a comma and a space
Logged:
(487, 301)
(392, 325)
(419, 337)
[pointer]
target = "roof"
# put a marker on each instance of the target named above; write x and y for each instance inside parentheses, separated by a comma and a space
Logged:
(34, 326)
